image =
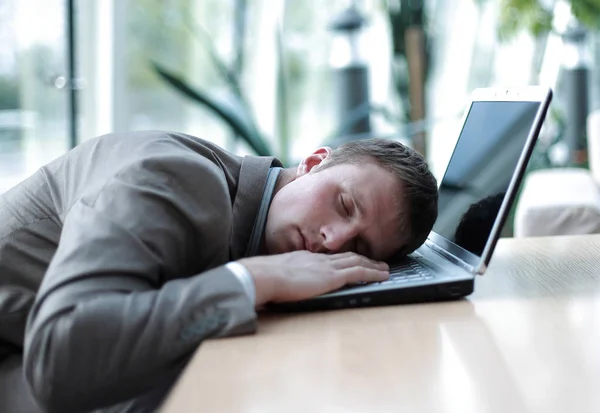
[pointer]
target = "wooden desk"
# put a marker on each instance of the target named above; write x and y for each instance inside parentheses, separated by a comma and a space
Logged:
(527, 340)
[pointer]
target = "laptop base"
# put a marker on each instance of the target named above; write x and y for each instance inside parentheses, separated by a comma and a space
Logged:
(378, 297)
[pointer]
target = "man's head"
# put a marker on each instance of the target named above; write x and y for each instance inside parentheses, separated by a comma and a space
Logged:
(375, 197)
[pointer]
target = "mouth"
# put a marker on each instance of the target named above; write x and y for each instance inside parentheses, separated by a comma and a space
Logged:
(302, 242)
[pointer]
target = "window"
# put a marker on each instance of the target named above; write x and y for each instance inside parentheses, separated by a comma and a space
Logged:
(33, 104)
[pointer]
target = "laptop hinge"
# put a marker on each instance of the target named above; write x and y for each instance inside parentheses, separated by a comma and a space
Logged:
(453, 259)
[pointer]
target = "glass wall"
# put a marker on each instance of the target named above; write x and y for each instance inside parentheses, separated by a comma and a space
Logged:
(184, 35)
(33, 101)
(267, 61)
(277, 56)
(468, 54)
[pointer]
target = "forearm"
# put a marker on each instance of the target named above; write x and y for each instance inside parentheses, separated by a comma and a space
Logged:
(87, 350)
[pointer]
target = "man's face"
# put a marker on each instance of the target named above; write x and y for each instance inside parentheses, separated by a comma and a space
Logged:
(341, 208)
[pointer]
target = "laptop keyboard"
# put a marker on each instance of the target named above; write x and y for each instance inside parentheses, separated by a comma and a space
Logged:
(408, 269)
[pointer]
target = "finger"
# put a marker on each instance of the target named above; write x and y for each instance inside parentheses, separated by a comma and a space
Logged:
(356, 260)
(360, 274)
(342, 255)
(351, 254)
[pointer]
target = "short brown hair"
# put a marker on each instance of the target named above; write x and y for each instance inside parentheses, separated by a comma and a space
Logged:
(420, 189)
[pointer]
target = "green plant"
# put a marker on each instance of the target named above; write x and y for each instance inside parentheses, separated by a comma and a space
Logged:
(236, 112)
(537, 16)
(242, 125)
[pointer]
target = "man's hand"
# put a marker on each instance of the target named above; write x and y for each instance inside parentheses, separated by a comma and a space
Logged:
(302, 274)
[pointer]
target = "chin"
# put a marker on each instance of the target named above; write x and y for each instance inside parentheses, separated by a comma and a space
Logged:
(280, 242)
(285, 247)
(272, 248)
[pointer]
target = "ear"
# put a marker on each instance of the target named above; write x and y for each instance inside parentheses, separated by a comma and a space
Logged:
(312, 160)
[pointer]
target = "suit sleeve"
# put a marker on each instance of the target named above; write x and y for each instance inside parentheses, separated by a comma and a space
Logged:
(135, 286)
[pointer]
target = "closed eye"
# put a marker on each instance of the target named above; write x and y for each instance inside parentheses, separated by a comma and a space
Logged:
(345, 206)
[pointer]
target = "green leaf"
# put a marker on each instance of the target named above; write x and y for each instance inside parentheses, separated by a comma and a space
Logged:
(541, 23)
(587, 12)
(236, 122)
(536, 17)
(228, 75)
(518, 15)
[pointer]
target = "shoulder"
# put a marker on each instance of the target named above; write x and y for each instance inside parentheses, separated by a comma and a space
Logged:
(163, 171)
(168, 158)
(152, 140)
(177, 200)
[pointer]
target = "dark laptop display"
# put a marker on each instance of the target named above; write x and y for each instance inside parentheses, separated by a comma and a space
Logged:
(480, 170)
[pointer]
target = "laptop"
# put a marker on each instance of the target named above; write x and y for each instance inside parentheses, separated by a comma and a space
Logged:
(499, 131)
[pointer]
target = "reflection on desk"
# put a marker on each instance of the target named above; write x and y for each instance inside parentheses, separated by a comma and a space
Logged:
(527, 340)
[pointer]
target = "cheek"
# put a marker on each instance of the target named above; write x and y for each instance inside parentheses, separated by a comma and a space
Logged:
(319, 206)
(283, 206)
(306, 201)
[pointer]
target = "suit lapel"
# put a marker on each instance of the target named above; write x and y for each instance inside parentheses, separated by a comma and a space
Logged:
(251, 186)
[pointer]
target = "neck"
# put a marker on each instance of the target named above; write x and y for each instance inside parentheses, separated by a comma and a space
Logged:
(285, 177)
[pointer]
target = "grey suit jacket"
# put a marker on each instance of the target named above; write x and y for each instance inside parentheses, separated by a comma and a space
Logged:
(111, 264)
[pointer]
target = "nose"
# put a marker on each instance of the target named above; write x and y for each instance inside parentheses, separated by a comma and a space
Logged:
(338, 238)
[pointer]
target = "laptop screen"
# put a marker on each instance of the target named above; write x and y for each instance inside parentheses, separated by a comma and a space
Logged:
(480, 169)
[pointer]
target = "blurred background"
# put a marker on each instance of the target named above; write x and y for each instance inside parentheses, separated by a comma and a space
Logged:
(282, 77)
